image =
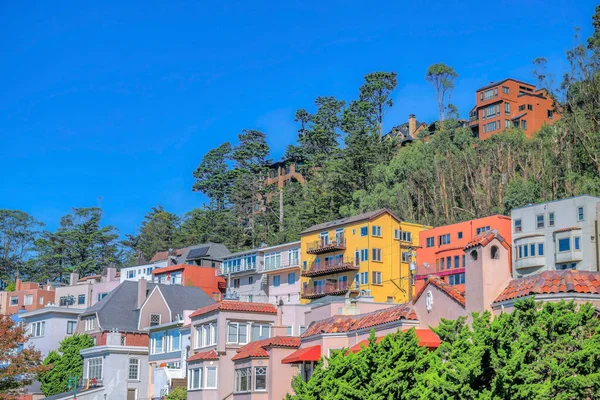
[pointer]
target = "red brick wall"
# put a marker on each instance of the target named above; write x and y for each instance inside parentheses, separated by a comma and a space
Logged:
(132, 339)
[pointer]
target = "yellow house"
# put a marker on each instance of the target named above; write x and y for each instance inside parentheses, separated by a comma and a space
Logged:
(368, 254)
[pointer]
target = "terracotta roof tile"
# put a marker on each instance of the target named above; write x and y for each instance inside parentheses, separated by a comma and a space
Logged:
(438, 282)
(257, 349)
(348, 323)
(571, 228)
(242, 306)
(551, 282)
(204, 356)
(485, 238)
(449, 249)
(163, 255)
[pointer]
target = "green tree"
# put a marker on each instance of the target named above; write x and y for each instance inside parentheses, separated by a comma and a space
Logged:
(18, 232)
(442, 77)
(177, 394)
(160, 231)
(64, 363)
(213, 177)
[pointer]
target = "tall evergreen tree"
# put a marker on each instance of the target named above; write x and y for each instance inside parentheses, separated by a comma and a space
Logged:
(159, 231)
(213, 177)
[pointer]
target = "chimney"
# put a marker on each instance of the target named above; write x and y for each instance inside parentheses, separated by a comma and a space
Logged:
(141, 295)
(111, 273)
(412, 125)
(73, 278)
(279, 329)
(18, 283)
(170, 253)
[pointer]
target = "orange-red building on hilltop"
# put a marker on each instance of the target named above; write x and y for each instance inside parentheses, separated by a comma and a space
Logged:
(191, 275)
(441, 250)
(511, 103)
(27, 296)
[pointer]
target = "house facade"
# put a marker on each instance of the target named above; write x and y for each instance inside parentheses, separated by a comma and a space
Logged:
(218, 331)
(48, 326)
(441, 250)
(28, 296)
(368, 254)
(266, 274)
(191, 275)
(87, 291)
(511, 103)
(137, 272)
(556, 235)
(203, 255)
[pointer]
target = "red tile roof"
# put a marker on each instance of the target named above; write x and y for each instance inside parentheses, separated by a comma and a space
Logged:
(242, 306)
(204, 356)
(311, 353)
(438, 282)
(163, 255)
(257, 349)
(427, 338)
(485, 238)
(571, 228)
(449, 249)
(348, 323)
(552, 282)
(171, 268)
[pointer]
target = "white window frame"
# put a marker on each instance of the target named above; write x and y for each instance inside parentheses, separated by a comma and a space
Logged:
(206, 386)
(377, 278)
(16, 303)
(99, 366)
(376, 231)
(237, 380)
(154, 315)
(537, 221)
(551, 221)
(191, 373)
(136, 364)
(74, 325)
(430, 242)
(376, 254)
(256, 389)
(90, 324)
(206, 335)
(518, 225)
(237, 334)
(38, 329)
(28, 297)
(262, 327)
(580, 214)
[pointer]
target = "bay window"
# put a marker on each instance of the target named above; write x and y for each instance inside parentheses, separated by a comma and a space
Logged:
(237, 333)
(260, 378)
(243, 380)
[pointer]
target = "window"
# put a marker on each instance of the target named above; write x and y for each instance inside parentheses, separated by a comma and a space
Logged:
(460, 235)
(405, 236)
(260, 378)
(464, 261)
(206, 335)
(14, 300)
(364, 255)
(157, 342)
(131, 274)
(520, 252)
(211, 378)
(456, 261)
(260, 331)
(397, 234)
(550, 114)
(492, 126)
(95, 368)
(532, 249)
(302, 329)
(474, 255)
(90, 324)
(529, 107)
(236, 283)
(377, 278)
(41, 300)
(364, 278)
(194, 378)
(522, 107)
(517, 225)
(539, 221)
(448, 262)
(154, 319)
(482, 229)
(66, 300)
(290, 330)
(242, 380)
(250, 280)
(71, 327)
(273, 260)
(134, 369)
(540, 249)
(488, 94)
(291, 278)
(507, 123)
(579, 213)
(364, 231)
(457, 279)
(442, 261)
(28, 300)
(551, 219)
(523, 124)
(101, 296)
(430, 242)
(445, 239)
(495, 253)
(37, 329)
(564, 244)
(577, 243)
(376, 230)
(324, 238)
(505, 90)
(294, 256)
(237, 333)
(276, 280)
(376, 254)
(81, 299)
(491, 111)
(406, 256)
(525, 251)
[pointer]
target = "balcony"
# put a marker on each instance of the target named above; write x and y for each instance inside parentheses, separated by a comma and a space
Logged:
(293, 263)
(530, 262)
(329, 288)
(248, 267)
(92, 383)
(330, 267)
(324, 245)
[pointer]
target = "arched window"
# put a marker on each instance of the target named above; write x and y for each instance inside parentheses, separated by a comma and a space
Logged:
(474, 255)
(495, 252)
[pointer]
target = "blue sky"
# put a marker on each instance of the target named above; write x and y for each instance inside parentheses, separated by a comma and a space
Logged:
(121, 101)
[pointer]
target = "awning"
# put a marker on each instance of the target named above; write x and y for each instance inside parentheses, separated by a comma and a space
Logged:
(426, 339)
(312, 353)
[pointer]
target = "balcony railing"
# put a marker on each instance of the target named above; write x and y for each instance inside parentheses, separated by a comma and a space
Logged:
(236, 270)
(330, 266)
(329, 288)
(325, 245)
(294, 262)
(90, 383)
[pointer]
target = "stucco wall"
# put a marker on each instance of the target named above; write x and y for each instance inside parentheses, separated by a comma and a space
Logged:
(443, 307)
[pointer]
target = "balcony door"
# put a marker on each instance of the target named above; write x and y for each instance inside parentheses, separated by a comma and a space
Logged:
(324, 239)
(339, 236)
